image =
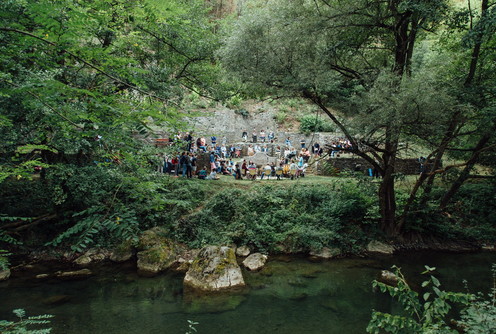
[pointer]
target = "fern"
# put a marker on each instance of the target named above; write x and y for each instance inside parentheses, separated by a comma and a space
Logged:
(21, 325)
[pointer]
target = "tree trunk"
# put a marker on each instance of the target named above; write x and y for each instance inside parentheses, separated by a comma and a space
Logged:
(387, 196)
(387, 203)
(465, 173)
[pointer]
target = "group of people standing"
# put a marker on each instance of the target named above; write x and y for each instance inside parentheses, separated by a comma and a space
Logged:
(182, 163)
(264, 137)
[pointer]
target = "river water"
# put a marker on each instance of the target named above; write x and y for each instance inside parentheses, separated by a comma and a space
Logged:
(290, 295)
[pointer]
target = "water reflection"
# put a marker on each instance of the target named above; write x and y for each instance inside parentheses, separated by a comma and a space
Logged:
(285, 297)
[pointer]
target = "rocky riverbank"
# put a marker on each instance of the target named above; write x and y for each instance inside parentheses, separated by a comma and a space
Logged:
(210, 269)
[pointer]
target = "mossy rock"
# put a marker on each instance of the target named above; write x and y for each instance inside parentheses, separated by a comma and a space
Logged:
(151, 238)
(157, 252)
(123, 252)
(214, 269)
(156, 259)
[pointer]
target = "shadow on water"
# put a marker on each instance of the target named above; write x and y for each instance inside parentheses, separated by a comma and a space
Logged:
(296, 296)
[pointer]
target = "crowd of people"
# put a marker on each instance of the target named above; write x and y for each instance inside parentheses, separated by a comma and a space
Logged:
(225, 159)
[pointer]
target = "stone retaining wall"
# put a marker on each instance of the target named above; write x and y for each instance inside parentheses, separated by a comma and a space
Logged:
(403, 166)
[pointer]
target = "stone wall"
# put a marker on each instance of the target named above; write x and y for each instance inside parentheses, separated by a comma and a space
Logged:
(403, 166)
(226, 122)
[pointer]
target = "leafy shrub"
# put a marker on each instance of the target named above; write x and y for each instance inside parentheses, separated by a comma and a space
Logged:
(280, 117)
(242, 112)
(98, 205)
(313, 123)
(268, 218)
(471, 214)
(480, 316)
(429, 313)
(4, 259)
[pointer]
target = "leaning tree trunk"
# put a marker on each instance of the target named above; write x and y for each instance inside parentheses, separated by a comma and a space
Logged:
(464, 175)
(387, 197)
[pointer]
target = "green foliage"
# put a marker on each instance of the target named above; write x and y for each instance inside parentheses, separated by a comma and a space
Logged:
(421, 314)
(243, 112)
(21, 325)
(192, 327)
(480, 316)
(106, 205)
(470, 216)
(98, 205)
(4, 259)
(280, 117)
(314, 123)
(269, 218)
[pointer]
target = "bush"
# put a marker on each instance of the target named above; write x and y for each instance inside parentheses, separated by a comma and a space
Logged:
(98, 205)
(471, 215)
(280, 117)
(429, 312)
(313, 123)
(268, 218)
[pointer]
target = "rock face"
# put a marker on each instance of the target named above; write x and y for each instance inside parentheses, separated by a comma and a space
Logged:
(326, 253)
(243, 251)
(255, 261)
(4, 274)
(214, 269)
(157, 253)
(378, 247)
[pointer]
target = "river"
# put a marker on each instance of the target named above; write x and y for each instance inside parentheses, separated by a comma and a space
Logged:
(290, 295)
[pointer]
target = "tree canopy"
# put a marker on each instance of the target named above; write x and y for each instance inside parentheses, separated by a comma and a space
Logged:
(359, 61)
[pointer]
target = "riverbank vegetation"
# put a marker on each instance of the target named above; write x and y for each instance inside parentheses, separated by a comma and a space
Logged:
(84, 85)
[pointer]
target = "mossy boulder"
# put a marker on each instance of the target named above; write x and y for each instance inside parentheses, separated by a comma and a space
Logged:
(243, 251)
(214, 269)
(122, 253)
(157, 253)
(388, 278)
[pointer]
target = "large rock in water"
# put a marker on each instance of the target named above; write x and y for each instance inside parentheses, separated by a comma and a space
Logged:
(215, 268)
(243, 251)
(4, 274)
(378, 247)
(326, 253)
(388, 278)
(255, 261)
(157, 253)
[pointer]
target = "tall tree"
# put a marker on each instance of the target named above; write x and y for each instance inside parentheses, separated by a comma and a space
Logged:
(332, 52)
(74, 70)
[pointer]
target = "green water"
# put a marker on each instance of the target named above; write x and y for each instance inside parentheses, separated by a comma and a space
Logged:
(290, 295)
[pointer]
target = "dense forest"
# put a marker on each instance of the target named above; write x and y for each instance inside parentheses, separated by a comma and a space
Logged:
(387, 73)
(85, 84)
